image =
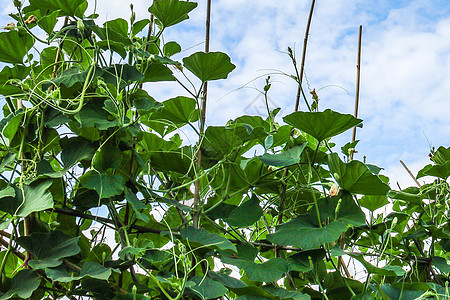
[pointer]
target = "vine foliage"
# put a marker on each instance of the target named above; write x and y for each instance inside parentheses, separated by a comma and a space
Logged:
(96, 187)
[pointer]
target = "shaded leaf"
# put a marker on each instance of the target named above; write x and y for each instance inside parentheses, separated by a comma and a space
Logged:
(105, 185)
(207, 288)
(245, 214)
(30, 198)
(89, 269)
(49, 248)
(302, 232)
(23, 285)
(285, 158)
(108, 157)
(203, 237)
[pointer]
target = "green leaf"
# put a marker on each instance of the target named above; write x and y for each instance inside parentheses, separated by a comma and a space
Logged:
(207, 288)
(156, 71)
(23, 285)
(171, 48)
(75, 149)
(14, 45)
(221, 139)
(441, 156)
(286, 158)
(108, 157)
(105, 185)
(71, 77)
(137, 205)
(175, 113)
(145, 103)
(373, 202)
(268, 271)
(203, 237)
(441, 171)
(322, 125)
(171, 12)
(355, 177)
(9, 131)
(245, 214)
(441, 264)
(385, 271)
(48, 22)
(209, 66)
(48, 249)
(119, 25)
(304, 261)
(402, 292)
(66, 7)
(138, 26)
(285, 294)
(16, 72)
(121, 75)
(89, 269)
(302, 232)
(179, 110)
(93, 115)
(31, 198)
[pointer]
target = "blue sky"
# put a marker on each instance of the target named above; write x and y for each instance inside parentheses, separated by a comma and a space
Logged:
(405, 71)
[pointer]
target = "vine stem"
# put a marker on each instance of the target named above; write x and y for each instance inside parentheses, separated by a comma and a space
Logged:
(196, 216)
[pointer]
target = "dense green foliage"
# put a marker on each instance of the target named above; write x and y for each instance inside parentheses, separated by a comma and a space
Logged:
(89, 135)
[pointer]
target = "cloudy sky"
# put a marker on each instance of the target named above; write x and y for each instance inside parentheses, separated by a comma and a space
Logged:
(405, 70)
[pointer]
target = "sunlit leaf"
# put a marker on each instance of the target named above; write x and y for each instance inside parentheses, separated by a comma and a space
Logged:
(14, 45)
(171, 12)
(322, 125)
(66, 7)
(209, 66)
(355, 177)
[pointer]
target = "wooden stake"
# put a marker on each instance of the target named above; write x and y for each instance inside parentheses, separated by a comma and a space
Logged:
(358, 77)
(196, 203)
(302, 66)
(410, 174)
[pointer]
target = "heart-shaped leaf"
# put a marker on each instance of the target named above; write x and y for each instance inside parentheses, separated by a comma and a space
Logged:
(171, 12)
(302, 232)
(23, 285)
(209, 66)
(49, 248)
(14, 45)
(203, 237)
(355, 177)
(322, 125)
(245, 214)
(286, 158)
